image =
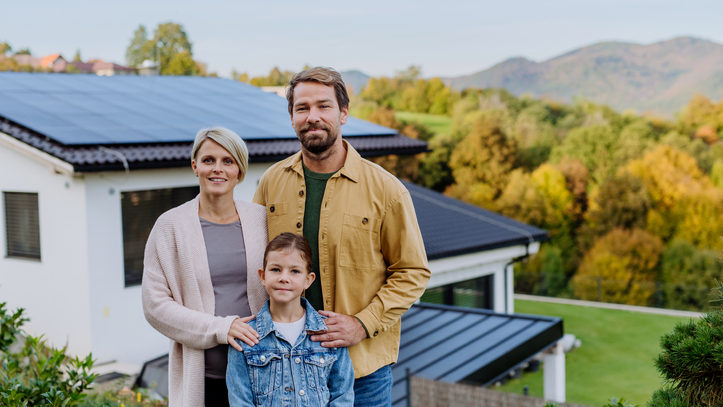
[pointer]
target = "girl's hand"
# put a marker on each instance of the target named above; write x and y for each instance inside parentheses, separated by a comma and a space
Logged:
(241, 330)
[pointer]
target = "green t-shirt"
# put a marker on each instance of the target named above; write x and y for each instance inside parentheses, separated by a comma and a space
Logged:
(315, 186)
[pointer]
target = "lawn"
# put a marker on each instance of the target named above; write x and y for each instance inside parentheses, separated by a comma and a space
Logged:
(437, 123)
(616, 358)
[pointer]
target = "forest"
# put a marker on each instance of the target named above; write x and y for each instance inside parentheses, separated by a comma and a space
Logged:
(632, 202)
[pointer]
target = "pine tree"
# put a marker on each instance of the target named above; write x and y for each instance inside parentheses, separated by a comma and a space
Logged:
(692, 362)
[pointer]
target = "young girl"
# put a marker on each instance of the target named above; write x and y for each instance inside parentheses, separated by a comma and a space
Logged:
(285, 367)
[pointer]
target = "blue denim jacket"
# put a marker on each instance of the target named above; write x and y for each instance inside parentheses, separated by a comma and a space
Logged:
(274, 373)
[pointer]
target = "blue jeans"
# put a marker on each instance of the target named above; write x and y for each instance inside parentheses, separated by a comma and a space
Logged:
(374, 390)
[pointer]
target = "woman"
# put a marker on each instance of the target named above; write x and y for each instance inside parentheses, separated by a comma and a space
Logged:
(196, 288)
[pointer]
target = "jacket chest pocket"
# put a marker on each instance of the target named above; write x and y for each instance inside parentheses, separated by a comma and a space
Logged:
(265, 372)
(318, 367)
(359, 248)
(277, 215)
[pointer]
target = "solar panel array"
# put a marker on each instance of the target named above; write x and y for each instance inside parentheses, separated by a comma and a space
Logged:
(88, 109)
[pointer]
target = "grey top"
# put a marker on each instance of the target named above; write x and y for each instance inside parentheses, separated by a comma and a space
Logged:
(227, 263)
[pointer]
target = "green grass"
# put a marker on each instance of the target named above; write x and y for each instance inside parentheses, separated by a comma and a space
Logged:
(616, 358)
(437, 123)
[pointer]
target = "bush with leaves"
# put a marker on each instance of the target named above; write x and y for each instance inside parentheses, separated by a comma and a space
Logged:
(692, 362)
(37, 374)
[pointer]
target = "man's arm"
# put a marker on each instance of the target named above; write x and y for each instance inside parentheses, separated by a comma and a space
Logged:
(407, 272)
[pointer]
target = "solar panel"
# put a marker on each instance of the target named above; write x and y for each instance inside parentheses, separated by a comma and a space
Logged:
(88, 109)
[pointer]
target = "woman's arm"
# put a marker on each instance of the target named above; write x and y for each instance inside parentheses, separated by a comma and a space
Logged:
(182, 324)
(341, 380)
(238, 380)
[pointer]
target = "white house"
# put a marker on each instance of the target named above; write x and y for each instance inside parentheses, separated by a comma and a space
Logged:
(87, 163)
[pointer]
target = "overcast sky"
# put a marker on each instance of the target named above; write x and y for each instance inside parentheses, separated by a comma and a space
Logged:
(445, 38)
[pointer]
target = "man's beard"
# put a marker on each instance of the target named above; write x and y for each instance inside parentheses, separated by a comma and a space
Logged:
(316, 144)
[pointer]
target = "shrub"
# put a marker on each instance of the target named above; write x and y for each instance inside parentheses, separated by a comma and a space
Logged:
(38, 374)
(692, 362)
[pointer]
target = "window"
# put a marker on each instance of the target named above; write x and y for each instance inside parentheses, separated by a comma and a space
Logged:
(475, 293)
(22, 226)
(139, 210)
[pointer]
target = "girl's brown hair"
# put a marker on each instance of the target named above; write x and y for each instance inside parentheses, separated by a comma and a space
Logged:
(288, 240)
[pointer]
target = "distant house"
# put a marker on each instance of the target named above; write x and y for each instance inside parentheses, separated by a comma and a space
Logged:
(87, 163)
(103, 68)
(53, 62)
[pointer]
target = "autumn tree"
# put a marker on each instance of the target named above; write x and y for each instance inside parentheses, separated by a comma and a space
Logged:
(621, 267)
(689, 275)
(481, 162)
(276, 77)
(620, 202)
(594, 146)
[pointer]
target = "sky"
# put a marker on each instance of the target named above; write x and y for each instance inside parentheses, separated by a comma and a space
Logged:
(378, 37)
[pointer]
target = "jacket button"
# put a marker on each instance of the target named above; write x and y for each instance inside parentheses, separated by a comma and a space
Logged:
(301, 193)
(297, 360)
(298, 225)
(376, 333)
(271, 208)
(263, 358)
(301, 392)
(365, 221)
(321, 360)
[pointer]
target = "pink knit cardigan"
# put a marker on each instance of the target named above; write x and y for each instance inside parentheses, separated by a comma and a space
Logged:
(178, 297)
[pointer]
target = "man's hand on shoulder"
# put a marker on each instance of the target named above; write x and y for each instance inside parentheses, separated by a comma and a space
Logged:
(343, 330)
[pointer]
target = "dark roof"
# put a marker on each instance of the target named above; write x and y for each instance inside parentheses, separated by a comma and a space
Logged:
(451, 227)
(451, 344)
(95, 123)
(164, 155)
(87, 109)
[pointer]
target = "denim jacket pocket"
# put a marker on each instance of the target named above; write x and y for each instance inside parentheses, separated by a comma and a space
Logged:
(318, 366)
(265, 372)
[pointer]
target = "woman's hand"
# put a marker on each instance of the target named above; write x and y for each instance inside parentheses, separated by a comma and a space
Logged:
(241, 330)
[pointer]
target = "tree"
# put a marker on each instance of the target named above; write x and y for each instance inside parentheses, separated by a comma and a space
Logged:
(481, 162)
(5, 48)
(689, 275)
(692, 362)
(620, 267)
(140, 47)
(77, 57)
(622, 202)
(594, 146)
(169, 47)
(181, 64)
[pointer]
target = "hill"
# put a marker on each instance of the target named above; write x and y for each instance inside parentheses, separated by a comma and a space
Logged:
(659, 78)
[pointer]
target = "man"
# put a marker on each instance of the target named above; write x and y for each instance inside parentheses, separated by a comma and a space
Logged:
(368, 253)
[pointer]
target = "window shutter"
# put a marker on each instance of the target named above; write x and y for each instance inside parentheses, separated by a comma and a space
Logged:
(140, 209)
(22, 226)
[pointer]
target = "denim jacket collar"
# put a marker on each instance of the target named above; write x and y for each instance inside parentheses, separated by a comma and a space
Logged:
(264, 324)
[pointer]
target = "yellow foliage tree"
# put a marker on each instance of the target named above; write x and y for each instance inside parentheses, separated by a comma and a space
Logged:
(621, 267)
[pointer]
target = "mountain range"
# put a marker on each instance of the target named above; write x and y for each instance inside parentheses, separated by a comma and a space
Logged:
(658, 78)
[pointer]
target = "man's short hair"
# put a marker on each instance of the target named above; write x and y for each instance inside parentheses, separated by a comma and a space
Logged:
(323, 75)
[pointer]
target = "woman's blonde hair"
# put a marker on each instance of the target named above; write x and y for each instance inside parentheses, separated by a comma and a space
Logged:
(228, 140)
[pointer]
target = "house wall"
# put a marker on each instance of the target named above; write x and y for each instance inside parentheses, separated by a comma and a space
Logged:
(53, 290)
(119, 329)
(469, 266)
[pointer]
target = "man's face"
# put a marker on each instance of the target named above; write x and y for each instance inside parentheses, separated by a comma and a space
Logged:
(316, 116)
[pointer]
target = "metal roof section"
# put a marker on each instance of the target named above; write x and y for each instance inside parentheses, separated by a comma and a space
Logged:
(450, 344)
(84, 109)
(451, 227)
